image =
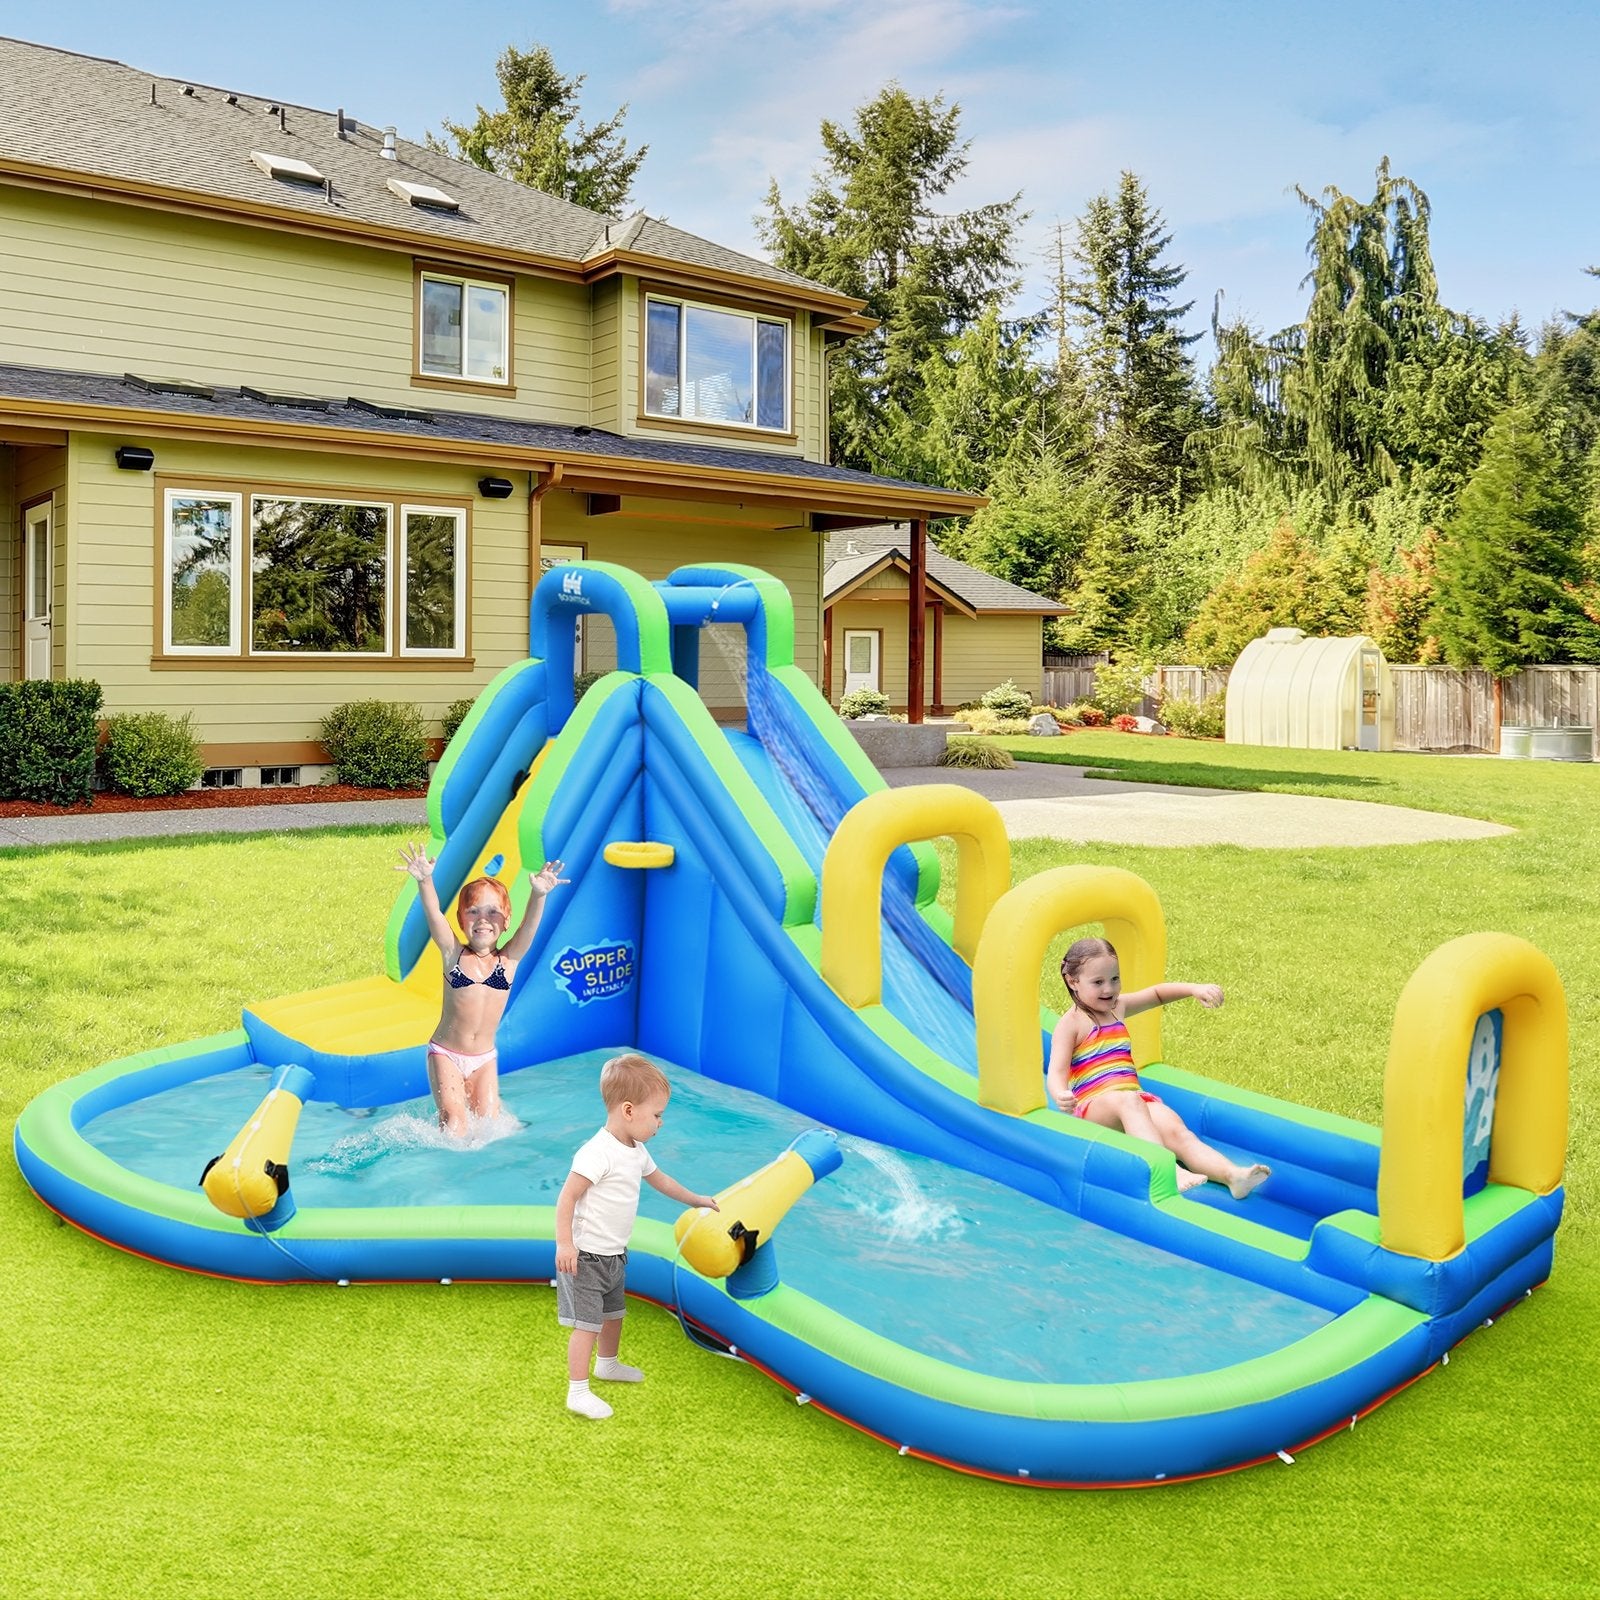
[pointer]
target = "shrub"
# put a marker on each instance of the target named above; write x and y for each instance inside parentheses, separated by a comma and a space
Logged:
(975, 753)
(48, 732)
(1091, 716)
(149, 753)
(1195, 719)
(1125, 723)
(1119, 687)
(583, 683)
(1069, 716)
(377, 744)
(864, 703)
(1007, 700)
(981, 721)
(454, 715)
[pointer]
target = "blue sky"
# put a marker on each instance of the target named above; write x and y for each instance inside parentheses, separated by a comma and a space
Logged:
(1221, 109)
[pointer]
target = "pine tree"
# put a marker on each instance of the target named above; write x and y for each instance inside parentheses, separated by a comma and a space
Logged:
(1139, 376)
(870, 228)
(537, 138)
(976, 402)
(1510, 566)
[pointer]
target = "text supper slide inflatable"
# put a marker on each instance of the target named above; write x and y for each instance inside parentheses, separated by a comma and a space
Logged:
(983, 1281)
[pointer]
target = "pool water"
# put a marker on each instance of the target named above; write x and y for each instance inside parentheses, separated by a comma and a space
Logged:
(943, 1261)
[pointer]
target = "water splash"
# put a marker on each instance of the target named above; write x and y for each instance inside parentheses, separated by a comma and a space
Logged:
(900, 1210)
(356, 1152)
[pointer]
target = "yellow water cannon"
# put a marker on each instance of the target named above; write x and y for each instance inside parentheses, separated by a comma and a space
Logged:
(725, 1243)
(250, 1179)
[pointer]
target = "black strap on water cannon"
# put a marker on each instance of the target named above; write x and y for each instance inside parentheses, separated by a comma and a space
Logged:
(207, 1173)
(748, 1238)
(279, 1173)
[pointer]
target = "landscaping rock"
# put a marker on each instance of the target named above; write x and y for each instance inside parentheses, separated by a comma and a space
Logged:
(1043, 724)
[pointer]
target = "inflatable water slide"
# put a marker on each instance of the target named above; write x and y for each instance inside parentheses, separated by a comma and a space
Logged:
(982, 1281)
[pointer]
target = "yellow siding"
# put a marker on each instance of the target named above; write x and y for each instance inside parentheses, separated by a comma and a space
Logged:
(977, 653)
(113, 631)
(606, 354)
(114, 289)
(984, 651)
(654, 537)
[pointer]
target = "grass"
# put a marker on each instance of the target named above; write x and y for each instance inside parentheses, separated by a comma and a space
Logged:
(166, 1434)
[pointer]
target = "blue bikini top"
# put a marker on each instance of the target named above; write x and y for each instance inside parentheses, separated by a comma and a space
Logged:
(497, 979)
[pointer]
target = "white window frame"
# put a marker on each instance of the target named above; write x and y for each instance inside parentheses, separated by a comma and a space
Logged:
(387, 653)
(755, 319)
(459, 649)
(235, 574)
(467, 284)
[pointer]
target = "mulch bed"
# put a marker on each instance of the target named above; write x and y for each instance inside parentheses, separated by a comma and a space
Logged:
(207, 800)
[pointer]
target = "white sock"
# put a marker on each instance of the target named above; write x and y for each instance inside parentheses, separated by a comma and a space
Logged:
(616, 1371)
(579, 1399)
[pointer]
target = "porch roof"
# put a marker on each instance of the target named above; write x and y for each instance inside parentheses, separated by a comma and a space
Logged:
(36, 398)
(857, 554)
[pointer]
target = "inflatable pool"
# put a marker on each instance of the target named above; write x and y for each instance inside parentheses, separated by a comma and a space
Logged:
(983, 1282)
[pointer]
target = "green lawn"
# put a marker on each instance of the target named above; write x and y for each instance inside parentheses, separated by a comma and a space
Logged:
(164, 1434)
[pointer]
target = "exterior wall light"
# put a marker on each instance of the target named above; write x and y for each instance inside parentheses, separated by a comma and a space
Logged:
(495, 488)
(135, 458)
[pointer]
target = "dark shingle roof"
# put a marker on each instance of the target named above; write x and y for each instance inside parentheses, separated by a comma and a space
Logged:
(858, 550)
(353, 414)
(85, 114)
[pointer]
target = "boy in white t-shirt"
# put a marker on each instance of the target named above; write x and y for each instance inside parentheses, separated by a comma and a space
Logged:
(594, 1218)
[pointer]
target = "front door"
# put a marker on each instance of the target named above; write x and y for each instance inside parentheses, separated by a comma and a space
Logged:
(36, 591)
(860, 659)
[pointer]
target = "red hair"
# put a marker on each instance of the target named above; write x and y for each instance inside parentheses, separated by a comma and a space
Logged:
(497, 890)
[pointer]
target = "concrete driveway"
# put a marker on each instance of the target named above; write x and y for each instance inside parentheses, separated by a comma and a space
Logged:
(1041, 799)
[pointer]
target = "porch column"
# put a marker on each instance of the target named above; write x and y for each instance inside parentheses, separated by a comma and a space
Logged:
(918, 619)
(938, 658)
(827, 654)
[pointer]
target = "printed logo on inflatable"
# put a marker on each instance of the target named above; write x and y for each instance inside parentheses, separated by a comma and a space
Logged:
(572, 586)
(595, 971)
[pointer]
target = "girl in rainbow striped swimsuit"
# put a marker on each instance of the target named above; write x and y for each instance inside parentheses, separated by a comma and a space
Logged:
(1091, 1072)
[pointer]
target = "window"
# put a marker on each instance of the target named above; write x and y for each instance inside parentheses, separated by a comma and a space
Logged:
(202, 565)
(318, 576)
(433, 599)
(463, 329)
(708, 365)
(311, 575)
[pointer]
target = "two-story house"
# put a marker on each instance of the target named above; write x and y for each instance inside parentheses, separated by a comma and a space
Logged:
(294, 412)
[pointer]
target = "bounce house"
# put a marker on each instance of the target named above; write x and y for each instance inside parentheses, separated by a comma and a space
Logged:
(981, 1281)
(1311, 694)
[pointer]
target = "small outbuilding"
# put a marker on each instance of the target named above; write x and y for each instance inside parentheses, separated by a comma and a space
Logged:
(1311, 694)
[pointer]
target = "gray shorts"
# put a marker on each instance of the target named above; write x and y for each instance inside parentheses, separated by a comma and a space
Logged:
(593, 1294)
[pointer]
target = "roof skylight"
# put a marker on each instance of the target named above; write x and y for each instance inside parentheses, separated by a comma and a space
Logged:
(423, 194)
(286, 168)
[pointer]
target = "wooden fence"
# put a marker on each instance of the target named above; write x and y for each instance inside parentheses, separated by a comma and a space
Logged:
(1065, 685)
(1436, 708)
(1440, 708)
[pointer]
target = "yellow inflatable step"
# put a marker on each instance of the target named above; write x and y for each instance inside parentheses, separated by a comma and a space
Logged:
(364, 1017)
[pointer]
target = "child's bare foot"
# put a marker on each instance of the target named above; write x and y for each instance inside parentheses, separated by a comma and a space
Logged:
(1246, 1180)
(1188, 1180)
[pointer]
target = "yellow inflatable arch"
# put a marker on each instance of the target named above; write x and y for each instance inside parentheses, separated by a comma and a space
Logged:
(1420, 1208)
(852, 876)
(1005, 976)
